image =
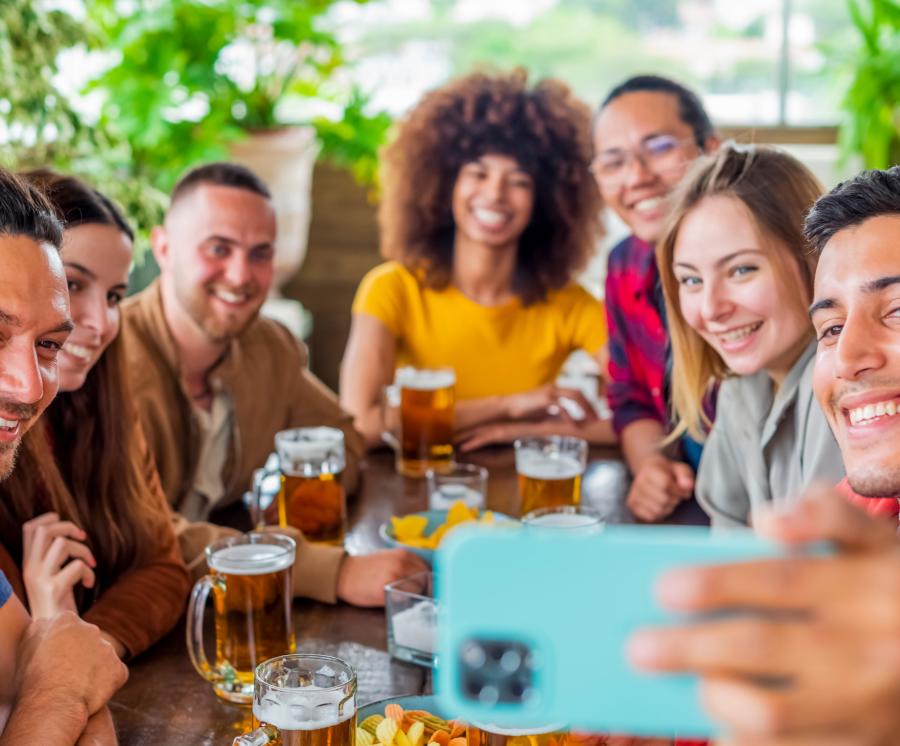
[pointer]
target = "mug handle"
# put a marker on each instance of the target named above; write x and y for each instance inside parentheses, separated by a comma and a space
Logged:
(194, 633)
(260, 737)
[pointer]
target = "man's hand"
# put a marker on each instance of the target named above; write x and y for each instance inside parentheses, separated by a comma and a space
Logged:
(100, 731)
(54, 561)
(658, 487)
(361, 579)
(835, 641)
(66, 658)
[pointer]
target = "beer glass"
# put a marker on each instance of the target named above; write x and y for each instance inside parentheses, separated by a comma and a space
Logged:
(426, 420)
(466, 482)
(494, 735)
(549, 471)
(303, 700)
(312, 497)
(250, 579)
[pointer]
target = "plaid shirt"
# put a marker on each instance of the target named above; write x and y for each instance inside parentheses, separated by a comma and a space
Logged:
(637, 335)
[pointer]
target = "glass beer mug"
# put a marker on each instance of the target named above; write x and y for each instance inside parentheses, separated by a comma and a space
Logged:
(312, 497)
(549, 471)
(421, 433)
(303, 700)
(250, 579)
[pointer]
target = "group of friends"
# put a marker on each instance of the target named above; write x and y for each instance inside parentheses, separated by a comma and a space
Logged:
(749, 337)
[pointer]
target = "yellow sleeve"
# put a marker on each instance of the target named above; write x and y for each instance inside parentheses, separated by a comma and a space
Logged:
(585, 320)
(381, 294)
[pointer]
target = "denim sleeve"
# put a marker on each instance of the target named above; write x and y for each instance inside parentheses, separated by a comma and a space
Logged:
(5, 590)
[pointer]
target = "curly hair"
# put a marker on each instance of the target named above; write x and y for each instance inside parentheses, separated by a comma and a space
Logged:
(545, 128)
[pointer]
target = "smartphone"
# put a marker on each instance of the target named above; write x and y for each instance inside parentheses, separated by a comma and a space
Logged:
(533, 624)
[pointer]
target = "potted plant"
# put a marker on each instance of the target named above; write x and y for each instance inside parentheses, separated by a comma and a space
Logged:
(872, 102)
(197, 80)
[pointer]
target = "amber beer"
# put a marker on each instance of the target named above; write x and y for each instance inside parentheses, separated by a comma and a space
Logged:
(427, 400)
(549, 471)
(303, 700)
(312, 497)
(250, 579)
(493, 735)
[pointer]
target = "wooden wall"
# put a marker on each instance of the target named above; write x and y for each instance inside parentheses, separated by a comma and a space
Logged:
(343, 246)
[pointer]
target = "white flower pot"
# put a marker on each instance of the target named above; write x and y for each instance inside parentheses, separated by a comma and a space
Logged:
(284, 160)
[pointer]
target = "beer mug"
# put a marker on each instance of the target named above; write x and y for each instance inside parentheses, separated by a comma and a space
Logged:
(549, 471)
(250, 579)
(494, 735)
(303, 699)
(427, 399)
(312, 498)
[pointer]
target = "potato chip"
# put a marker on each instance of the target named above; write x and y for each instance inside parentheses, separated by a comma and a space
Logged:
(364, 738)
(487, 517)
(401, 740)
(409, 527)
(386, 731)
(460, 513)
(416, 734)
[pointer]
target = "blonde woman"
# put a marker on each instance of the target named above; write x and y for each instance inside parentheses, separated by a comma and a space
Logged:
(737, 277)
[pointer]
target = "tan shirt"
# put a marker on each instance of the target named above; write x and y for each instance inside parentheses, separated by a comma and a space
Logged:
(215, 427)
(764, 450)
(265, 375)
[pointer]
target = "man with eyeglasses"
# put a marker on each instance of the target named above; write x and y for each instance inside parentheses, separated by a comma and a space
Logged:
(646, 132)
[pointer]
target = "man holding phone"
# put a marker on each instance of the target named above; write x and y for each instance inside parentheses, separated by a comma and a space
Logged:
(836, 641)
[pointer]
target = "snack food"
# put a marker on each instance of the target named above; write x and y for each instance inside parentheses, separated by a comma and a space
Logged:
(410, 529)
(399, 727)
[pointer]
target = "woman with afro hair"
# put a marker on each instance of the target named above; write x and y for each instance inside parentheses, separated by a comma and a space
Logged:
(488, 212)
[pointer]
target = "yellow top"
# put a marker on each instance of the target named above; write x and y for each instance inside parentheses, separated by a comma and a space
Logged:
(495, 350)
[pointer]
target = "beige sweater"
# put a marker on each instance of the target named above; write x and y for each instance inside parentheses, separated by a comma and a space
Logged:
(264, 372)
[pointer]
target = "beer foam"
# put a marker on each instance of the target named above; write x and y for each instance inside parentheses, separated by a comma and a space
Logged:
(425, 380)
(299, 710)
(563, 520)
(541, 730)
(538, 465)
(251, 559)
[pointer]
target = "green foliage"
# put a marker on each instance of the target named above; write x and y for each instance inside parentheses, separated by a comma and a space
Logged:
(872, 128)
(41, 128)
(195, 75)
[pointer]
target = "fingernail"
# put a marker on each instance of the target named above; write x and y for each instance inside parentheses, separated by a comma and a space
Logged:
(643, 649)
(678, 588)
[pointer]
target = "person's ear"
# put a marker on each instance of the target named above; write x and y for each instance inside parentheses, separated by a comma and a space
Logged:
(711, 144)
(159, 242)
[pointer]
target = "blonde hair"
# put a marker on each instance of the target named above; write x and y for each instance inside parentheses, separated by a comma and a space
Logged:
(778, 191)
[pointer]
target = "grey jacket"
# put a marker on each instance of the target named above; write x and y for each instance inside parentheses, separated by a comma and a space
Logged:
(762, 451)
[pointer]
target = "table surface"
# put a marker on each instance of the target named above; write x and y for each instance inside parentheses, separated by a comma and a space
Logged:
(166, 702)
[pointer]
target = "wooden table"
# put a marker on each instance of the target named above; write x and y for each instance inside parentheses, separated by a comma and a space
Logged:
(166, 702)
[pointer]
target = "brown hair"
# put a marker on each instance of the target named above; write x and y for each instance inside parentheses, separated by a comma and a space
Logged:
(778, 191)
(221, 173)
(545, 128)
(84, 459)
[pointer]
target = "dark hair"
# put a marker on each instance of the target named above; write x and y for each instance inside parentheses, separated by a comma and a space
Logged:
(867, 195)
(76, 203)
(545, 128)
(690, 108)
(219, 174)
(85, 460)
(25, 211)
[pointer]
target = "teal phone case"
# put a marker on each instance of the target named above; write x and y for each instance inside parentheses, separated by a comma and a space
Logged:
(574, 600)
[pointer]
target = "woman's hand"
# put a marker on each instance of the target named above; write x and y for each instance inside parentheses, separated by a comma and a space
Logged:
(550, 400)
(54, 560)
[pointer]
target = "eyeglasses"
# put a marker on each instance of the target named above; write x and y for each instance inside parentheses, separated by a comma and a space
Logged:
(659, 154)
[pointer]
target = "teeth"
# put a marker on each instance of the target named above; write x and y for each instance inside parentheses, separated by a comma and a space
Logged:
(645, 205)
(736, 335)
(82, 353)
(488, 217)
(871, 412)
(230, 297)
(8, 424)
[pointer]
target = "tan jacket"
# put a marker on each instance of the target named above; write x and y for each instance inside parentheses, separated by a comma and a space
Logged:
(265, 374)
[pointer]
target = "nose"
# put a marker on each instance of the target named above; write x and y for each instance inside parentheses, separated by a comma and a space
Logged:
(495, 187)
(637, 173)
(237, 269)
(96, 315)
(20, 374)
(714, 305)
(858, 349)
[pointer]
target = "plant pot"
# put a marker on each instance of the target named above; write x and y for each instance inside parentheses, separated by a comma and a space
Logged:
(284, 160)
